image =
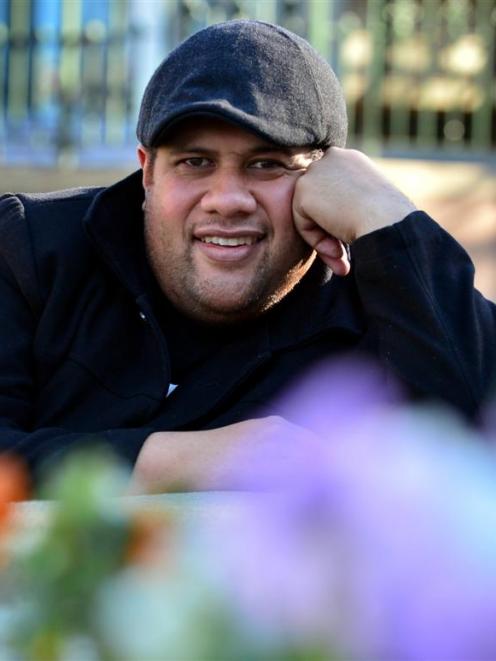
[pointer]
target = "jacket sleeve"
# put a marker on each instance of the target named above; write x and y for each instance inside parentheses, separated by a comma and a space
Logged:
(19, 305)
(433, 329)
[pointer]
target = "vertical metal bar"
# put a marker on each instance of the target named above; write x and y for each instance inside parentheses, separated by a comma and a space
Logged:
(320, 28)
(71, 42)
(4, 36)
(69, 77)
(265, 10)
(116, 74)
(458, 24)
(146, 20)
(213, 13)
(401, 77)
(427, 117)
(352, 74)
(46, 20)
(322, 17)
(95, 34)
(18, 79)
(372, 121)
(485, 21)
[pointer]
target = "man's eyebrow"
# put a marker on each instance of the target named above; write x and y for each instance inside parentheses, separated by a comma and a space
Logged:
(263, 149)
(178, 148)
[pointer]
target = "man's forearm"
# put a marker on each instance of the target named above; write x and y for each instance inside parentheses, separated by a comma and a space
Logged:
(207, 460)
(180, 461)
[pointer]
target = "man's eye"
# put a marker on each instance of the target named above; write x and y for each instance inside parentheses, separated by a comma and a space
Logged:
(266, 164)
(195, 162)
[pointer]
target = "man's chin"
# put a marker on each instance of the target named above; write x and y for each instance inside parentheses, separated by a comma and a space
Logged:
(233, 300)
(227, 312)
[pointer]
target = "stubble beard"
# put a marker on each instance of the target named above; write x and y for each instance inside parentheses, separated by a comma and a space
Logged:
(210, 301)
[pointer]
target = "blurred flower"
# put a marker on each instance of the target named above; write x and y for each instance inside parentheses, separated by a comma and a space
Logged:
(374, 537)
(14, 485)
(83, 542)
(151, 539)
(382, 544)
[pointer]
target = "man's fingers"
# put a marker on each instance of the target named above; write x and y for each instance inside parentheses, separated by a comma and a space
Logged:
(333, 253)
(339, 266)
(328, 246)
(330, 250)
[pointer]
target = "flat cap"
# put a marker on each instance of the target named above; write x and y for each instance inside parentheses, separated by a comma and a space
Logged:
(254, 74)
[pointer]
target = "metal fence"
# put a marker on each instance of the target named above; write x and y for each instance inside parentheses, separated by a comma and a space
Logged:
(419, 75)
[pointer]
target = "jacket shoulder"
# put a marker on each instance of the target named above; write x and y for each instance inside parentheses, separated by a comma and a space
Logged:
(23, 213)
(44, 206)
(45, 220)
(36, 229)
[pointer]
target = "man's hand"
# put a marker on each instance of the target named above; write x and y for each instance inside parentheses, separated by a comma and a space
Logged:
(340, 198)
(211, 459)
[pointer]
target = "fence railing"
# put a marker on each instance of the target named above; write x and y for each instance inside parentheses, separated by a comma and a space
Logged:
(419, 75)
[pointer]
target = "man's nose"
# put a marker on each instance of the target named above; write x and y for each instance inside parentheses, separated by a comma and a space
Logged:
(228, 194)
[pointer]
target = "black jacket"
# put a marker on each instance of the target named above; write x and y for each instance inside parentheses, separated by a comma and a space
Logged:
(82, 356)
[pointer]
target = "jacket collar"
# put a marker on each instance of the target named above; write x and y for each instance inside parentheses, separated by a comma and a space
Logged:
(114, 222)
(319, 303)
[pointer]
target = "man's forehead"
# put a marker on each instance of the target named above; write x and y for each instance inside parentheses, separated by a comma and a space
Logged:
(204, 133)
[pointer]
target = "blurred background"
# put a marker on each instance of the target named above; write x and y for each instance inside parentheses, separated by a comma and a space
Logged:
(419, 78)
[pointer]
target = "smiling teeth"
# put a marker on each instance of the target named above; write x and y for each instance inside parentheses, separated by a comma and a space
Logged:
(232, 241)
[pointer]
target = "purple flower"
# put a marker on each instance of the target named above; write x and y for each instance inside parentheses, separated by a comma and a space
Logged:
(381, 541)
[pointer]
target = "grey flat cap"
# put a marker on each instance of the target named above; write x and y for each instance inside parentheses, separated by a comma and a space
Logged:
(254, 74)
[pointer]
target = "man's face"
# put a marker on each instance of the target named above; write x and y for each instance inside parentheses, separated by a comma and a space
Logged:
(218, 220)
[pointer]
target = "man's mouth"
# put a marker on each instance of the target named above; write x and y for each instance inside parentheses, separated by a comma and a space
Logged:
(230, 241)
(229, 248)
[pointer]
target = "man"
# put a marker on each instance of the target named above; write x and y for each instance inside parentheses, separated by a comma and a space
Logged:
(162, 315)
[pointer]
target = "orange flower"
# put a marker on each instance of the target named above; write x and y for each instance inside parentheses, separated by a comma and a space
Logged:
(14, 486)
(151, 539)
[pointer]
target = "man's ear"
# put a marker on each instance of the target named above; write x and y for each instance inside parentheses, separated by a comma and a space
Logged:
(146, 162)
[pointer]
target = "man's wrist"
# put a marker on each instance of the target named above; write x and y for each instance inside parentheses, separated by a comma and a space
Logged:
(387, 219)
